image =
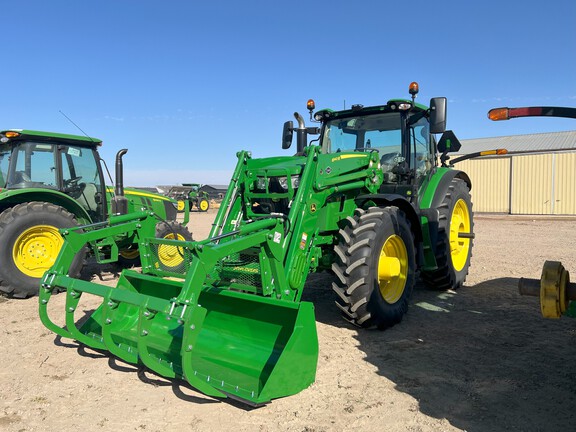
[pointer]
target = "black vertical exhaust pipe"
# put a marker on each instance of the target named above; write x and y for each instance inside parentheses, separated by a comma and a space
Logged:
(119, 202)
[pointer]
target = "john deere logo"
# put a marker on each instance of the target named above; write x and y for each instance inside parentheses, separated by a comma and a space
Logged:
(313, 208)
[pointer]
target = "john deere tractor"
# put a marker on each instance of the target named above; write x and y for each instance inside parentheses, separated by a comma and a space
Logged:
(191, 194)
(367, 200)
(51, 181)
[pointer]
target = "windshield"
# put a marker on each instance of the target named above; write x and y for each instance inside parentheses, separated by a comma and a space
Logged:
(382, 132)
(378, 131)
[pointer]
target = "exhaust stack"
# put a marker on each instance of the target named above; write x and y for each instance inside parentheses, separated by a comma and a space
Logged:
(119, 202)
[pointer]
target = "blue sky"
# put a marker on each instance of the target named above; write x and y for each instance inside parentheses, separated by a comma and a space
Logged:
(184, 85)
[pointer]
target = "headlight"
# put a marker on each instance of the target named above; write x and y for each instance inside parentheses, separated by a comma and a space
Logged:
(261, 183)
(283, 182)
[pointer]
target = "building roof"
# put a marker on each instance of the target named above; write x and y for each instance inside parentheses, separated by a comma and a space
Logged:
(541, 142)
(216, 187)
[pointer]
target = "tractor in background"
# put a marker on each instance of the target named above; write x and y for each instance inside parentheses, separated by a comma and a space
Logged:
(189, 195)
(51, 181)
(372, 200)
(557, 294)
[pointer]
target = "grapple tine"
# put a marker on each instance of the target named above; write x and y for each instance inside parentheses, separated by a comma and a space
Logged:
(192, 329)
(151, 362)
(109, 317)
(44, 296)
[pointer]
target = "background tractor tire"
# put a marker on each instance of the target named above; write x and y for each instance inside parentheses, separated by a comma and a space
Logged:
(180, 206)
(171, 257)
(375, 268)
(455, 235)
(130, 257)
(29, 245)
(203, 205)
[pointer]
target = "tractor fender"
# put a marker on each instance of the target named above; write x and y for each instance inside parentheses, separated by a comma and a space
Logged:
(438, 186)
(10, 198)
(431, 197)
(396, 200)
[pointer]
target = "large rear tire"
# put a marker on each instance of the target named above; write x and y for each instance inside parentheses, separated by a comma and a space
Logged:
(454, 240)
(375, 268)
(29, 245)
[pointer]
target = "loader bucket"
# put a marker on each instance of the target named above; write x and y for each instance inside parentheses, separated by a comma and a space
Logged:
(235, 344)
(190, 322)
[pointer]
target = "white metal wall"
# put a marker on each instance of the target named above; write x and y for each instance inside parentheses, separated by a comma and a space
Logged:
(490, 183)
(524, 184)
(565, 184)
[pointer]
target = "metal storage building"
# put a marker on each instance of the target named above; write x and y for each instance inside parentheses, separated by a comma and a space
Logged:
(537, 176)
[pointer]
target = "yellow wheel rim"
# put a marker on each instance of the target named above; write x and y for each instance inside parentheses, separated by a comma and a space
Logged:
(203, 205)
(180, 205)
(36, 249)
(171, 256)
(459, 224)
(392, 269)
(130, 253)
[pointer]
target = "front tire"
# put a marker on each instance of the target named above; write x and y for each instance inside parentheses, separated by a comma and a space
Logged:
(130, 257)
(171, 257)
(375, 267)
(455, 235)
(29, 244)
(203, 205)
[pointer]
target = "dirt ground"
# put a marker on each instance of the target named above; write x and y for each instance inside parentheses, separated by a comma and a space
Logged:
(478, 359)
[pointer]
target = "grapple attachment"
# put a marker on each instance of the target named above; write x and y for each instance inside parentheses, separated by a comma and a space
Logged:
(212, 316)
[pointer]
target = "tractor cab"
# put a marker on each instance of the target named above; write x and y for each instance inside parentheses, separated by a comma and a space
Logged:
(69, 164)
(398, 132)
(401, 132)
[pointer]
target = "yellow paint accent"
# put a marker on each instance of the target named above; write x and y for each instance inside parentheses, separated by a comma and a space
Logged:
(144, 194)
(392, 269)
(349, 156)
(459, 223)
(169, 255)
(36, 249)
(246, 269)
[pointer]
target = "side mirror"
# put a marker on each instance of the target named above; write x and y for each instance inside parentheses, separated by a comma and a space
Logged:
(437, 115)
(287, 134)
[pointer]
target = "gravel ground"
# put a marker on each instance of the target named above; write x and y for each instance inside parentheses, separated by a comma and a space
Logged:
(477, 359)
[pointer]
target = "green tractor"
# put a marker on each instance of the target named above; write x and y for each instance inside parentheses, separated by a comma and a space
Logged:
(51, 181)
(368, 200)
(192, 194)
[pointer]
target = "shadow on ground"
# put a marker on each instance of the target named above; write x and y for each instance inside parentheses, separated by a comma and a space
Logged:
(481, 357)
